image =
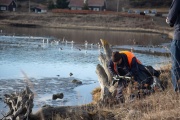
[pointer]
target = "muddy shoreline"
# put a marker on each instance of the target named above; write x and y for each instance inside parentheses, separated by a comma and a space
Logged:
(110, 22)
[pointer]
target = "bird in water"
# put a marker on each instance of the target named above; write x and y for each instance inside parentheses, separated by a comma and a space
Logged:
(60, 48)
(58, 76)
(79, 49)
(70, 74)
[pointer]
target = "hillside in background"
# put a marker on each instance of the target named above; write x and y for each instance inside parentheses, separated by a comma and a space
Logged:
(112, 5)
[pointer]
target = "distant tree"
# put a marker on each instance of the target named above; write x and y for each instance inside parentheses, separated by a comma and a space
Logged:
(51, 5)
(19, 6)
(62, 4)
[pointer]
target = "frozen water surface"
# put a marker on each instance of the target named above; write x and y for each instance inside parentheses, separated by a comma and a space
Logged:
(46, 63)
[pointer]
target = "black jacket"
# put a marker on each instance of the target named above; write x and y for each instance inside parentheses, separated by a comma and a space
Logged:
(124, 67)
(174, 18)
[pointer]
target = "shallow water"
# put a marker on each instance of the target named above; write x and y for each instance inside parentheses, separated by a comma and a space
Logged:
(46, 64)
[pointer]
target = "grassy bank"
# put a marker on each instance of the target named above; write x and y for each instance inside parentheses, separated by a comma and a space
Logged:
(113, 21)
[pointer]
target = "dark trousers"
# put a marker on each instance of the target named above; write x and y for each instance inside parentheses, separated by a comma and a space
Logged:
(121, 85)
(175, 71)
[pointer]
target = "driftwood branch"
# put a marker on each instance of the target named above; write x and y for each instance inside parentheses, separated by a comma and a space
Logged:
(107, 49)
(104, 76)
(104, 58)
(20, 104)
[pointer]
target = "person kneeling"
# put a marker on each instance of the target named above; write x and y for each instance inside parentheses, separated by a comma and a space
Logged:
(124, 63)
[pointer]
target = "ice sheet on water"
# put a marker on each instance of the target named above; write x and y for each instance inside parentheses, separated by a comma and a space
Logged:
(42, 59)
(43, 89)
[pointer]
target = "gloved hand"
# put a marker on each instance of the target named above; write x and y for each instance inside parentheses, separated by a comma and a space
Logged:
(168, 22)
(114, 80)
(115, 76)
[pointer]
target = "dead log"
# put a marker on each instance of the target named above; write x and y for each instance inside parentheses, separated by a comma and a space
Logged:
(104, 76)
(20, 104)
(103, 80)
(104, 58)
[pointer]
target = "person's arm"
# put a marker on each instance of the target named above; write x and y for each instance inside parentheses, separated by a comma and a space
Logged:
(173, 13)
(111, 68)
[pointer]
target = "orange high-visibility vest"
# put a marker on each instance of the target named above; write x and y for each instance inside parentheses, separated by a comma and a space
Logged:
(130, 56)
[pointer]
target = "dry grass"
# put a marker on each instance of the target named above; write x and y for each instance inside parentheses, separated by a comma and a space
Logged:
(160, 105)
(120, 21)
(96, 93)
(164, 105)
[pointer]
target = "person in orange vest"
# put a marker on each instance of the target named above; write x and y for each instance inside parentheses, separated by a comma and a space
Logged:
(125, 63)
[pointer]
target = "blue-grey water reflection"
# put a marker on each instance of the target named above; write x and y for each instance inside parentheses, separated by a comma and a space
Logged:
(39, 59)
(48, 60)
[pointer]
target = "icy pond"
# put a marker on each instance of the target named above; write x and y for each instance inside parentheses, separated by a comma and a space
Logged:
(44, 59)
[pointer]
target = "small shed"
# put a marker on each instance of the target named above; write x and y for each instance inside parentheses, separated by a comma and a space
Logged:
(76, 4)
(8, 5)
(95, 5)
(39, 9)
